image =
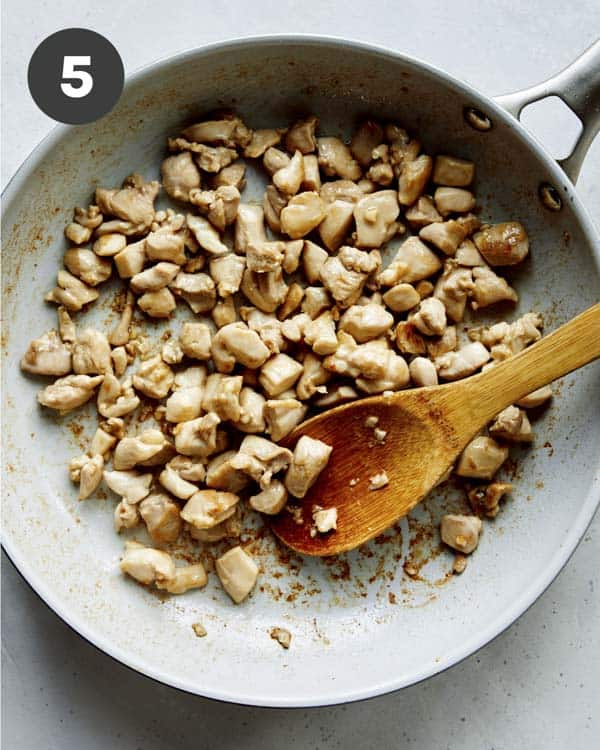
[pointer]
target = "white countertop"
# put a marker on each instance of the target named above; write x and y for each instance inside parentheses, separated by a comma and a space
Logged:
(538, 684)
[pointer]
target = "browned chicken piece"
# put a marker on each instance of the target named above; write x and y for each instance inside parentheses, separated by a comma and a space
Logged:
(367, 136)
(301, 136)
(503, 244)
(335, 159)
(261, 141)
(161, 516)
(71, 293)
(69, 392)
(47, 356)
(485, 499)
(220, 206)
(180, 175)
(461, 532)
(87, 266)
(91, 353)
(132, 205)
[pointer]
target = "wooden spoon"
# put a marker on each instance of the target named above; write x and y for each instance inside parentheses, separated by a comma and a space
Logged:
(427, 429)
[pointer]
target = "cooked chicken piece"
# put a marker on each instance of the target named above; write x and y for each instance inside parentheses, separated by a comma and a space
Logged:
(409, 339)
(126, 516)
(47, 356)
(453, 200)
(180, 175)
(301, 136)
(166, 245)
(282, 415)
(375, 217)
(131, 259)
(233, 175)
(195, 340)
(512, 424)
(197, 437)
(459, 364)
(197, 289)
(345, 275)
(186, 577)
(230, 527)
(485, 500)
(266, 257)
(506, 339)
(452, 171)
(164, 455)
(153, 378)
(158, 304)
(87, 471)
(261, 141)
(229, 131)
(536, 398)
(422, 372)
(116, 399)
(249, 227)
(273, 204)
(147, 565)
(482, 458)
(102, 443)
(430, 318)
(130, 485)
(312, 176)
(206, 235)
(114, 426)
(395, 373)
(209, 158)
(279, 373)
(403, 149)
(289, 178)
(154, 278)
(270, 500)
(335, 158)
(468, 255)
(413, 178)
(237, 343)
(191, 469)
(324, 520)
(227, 271)
(69, 392)
(120, 360)
(448, 235)
(132, 205)
(87, 266)
(423, 213)
(452, 289)
(221, 396)
(378, 481)
(489, 288)
(131, 451)
(381, 172)
(461, 532)
(185, 403)
(337, 223)
(309, 459)
(268, 327)
(342, 190)
(171, 352)
(77, 234)
(313, 259)
(313, 378)
(292, 302)
(119, 336)
(264, 290)
(221, 475)
(260, 459)
(237, 572)
(207, 508)
(219, 206)
(302, 214)
(224, 312)
(320, 334)
(71, 293)
(274, 159)
(365, 322)
(367, 136)
(66, 326)
(161, 516)
(401, 297)
(109, 244)
(447, 342)
(503, 244)
(413, 261)
(336, 395)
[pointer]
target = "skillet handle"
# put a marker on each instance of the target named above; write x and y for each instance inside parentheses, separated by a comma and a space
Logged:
(578, 85)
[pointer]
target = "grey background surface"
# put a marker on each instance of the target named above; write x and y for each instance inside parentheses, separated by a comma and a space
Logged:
(538, 684)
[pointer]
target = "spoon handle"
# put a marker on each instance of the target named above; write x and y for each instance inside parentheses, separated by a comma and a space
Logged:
(566, 349)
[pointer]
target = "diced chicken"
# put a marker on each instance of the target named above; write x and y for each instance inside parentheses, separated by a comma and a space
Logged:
(292, 302)
(266, 257)
(119, 336)
(166, 246)
(237, 572)
(320, 334)
(158, 304)
(147, 565)
(264, 290)
(232, 175)
(228, 131)
(126, 516)
(282, 415)
(180, 175)
(221, 474)
(413, 261)
(536, 398)
(191, 469)
(115, 399)
(482, 458)
(335, 159)
(206, 235)
(274, 159)
(365, 322)
(302, 214)
(251, 419)
(430, 318)
(47, 356)
(195, 340)
(489, 288)
(448, 235)
(261, 141)
(452, 171)
(186, 577)
(512, 424)
(175, 484)
(301, 136)
(273, 204)
(423, 372)
(227, 271)
(132, 205)
(131, 451)
(224, 312)
(503, 244)
(423, 212)
(378, 481)
(313, 259)
(312, 176)
(468, 255)
(71, 293)
(153, 378)
(447, 342)
(220, 206)
(171, 352)
(289, 178)
(221, 396)
(237, 343)
(450, 200)
(325, 520)
(409, 339)
(375, 217)
(270, 500)
(130, 485)
(260, 459)
(209, 158)
(87, 266)
(161, 516)
(87, 471)
(279, 373)
(207, 508)
(367, 136)
(337, 224)
(309, 459)
(461, 532)
(197, 289)
(342, 190)
(197, 437)
(268, 327)
(505, 339)
(313, 377)
(102, 443)
(413, 178)
(452, 289)
(485, 500)
(459, 364)
(345, 275)
(401, 297)
(154, 278)
(336, 395)
(69, 392)
(109, 244)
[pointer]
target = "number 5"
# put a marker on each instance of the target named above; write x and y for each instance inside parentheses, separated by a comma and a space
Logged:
(86, 82)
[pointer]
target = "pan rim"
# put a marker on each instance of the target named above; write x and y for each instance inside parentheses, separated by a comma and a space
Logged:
(336, 695)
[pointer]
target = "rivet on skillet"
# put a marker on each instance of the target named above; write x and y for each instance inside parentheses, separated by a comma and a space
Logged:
(550, 197)
(477, 119)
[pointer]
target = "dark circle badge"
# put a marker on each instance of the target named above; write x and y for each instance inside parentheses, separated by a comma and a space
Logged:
(75, 76)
